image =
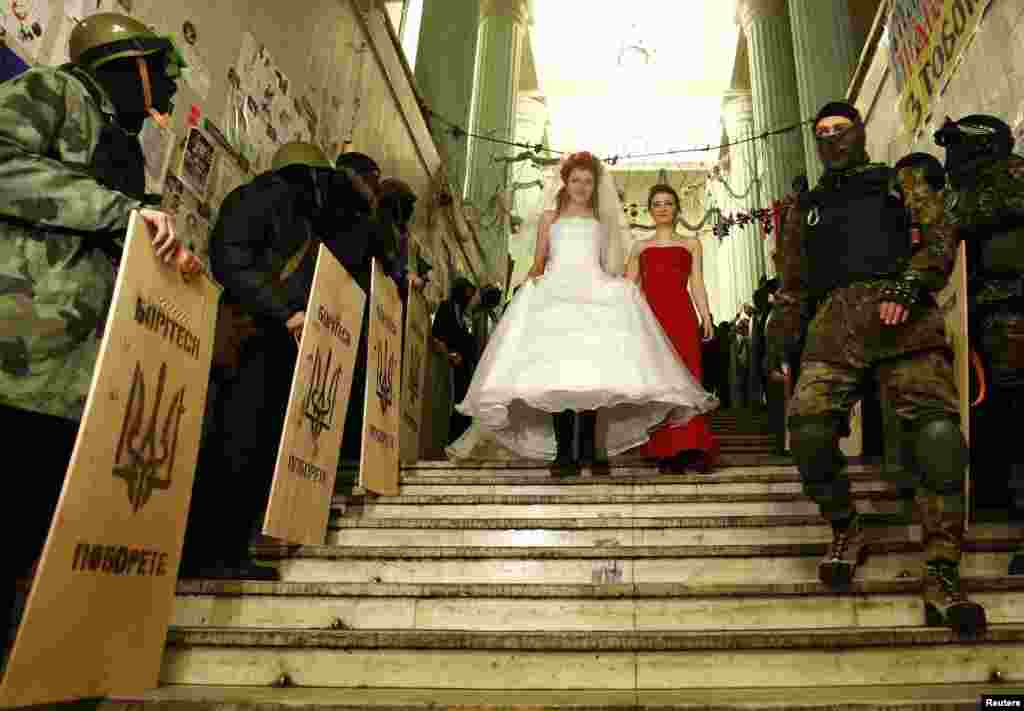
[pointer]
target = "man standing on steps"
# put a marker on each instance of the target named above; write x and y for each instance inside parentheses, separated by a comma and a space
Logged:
(853, 275)
(263, 249)
(71, 174)
(987, 205)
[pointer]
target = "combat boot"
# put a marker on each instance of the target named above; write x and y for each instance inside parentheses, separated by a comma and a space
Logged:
(845, 553)
(565, 426)
(588, 444)
(945, 599)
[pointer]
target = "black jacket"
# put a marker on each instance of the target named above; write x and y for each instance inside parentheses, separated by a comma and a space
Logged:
(260, 227)
(453, 333)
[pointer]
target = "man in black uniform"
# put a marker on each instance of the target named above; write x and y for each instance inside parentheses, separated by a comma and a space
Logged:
(852, 272)
(263, 250)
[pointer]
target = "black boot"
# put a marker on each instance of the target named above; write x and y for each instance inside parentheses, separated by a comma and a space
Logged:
(565, 426)
(588, 444)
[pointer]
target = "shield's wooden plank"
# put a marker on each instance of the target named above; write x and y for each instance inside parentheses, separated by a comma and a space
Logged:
(378, 465)
(97, 614)
(307, 460)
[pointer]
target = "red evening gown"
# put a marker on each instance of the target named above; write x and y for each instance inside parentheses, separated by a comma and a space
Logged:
(665, 272)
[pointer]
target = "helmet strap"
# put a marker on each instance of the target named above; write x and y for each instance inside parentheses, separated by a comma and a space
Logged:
(162, 120)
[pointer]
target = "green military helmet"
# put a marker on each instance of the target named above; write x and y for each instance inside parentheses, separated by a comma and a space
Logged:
(300, 153)
(107, 36)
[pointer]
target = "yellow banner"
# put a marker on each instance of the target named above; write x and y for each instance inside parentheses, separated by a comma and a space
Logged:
(927, 40)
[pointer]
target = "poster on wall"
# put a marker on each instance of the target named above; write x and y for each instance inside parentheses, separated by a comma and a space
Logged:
(927, 39)
(197, 78)
(157, 145)
(261, 114)
(191, 216)
(228, 175)
(22, 26)
(197, 162)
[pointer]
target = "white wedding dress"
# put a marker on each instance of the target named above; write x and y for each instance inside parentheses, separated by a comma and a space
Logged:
(578, 338)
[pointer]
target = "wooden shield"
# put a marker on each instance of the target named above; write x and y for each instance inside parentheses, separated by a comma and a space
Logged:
(414, 369)
(953, 300)
(97, 614)
(378, 465)
(307, 460)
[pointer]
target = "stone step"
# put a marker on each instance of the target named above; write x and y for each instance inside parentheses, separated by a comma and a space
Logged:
(614, 564)
(590, 660)
(644, 607)
(526, 533)
(620, 476)
(597, 486)
(601, 505)
(899, 697)
(625, 472)
(726, 460)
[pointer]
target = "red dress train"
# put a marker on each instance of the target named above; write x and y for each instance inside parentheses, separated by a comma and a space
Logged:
(665, 272)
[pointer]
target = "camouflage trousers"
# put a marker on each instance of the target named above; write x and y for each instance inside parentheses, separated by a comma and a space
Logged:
(920, 387)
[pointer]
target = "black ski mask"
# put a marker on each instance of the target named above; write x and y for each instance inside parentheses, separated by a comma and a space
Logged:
(463, 292)
(122, 80)
(970, 143)
(847, 149)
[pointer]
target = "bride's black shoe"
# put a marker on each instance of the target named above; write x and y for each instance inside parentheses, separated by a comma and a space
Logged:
(564, 464)
(588, 445)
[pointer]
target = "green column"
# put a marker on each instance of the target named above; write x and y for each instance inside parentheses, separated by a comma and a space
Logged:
(776, 102)
(825, 57)
(444, 74)
(499, 55)
(745, 243)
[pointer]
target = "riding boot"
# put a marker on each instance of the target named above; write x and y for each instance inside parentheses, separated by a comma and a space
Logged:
(588, 444)
(565, 426)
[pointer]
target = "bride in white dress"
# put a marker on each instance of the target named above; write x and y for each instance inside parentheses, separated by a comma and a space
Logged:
(578, 338)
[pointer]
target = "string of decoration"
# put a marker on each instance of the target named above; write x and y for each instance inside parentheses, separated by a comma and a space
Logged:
(458, 132)
(764, 215)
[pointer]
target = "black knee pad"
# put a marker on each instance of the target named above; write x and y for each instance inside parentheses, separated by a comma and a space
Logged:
(815, 449)
(937, 451)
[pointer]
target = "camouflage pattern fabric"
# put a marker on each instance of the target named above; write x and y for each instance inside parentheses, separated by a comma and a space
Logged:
(55, 286)
(919, 387)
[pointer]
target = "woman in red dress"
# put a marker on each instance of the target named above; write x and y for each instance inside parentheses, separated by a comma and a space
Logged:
(664, 266)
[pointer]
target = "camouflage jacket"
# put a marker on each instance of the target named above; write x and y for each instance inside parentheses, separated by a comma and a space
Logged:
(56, 282)
(990, 215)
(845, 326)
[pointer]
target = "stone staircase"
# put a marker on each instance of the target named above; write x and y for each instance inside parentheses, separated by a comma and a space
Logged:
(496, 586)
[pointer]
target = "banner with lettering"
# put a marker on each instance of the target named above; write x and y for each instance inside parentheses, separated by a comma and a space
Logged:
(378, 463)
(414, 370)
(927, 39)
(307, 460)
(96, 618)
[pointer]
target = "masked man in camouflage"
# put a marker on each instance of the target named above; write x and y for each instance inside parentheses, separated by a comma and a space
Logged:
(987, 204)
(263, 249)
(71, 173)
(853, 278)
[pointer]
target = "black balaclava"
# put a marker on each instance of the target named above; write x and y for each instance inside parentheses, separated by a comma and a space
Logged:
(362, 165)
(398, 200)
(490, 298)
(462, 293)
(846, 150)
(121, 80)
(933, 170)
(972, 142)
